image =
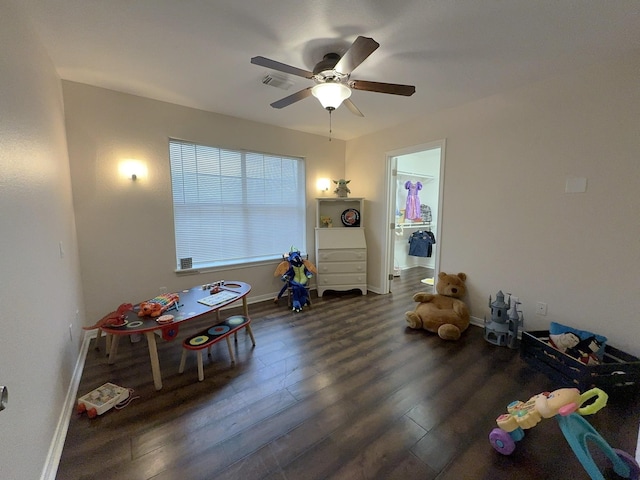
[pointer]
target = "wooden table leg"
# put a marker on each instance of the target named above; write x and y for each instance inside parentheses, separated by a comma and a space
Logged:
(250, 332)
(233, 358)
(245, 307)
(155, 363)
(113, 351)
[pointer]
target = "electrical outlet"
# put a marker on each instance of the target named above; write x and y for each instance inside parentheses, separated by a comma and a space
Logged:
(541, 308)
(163, 289)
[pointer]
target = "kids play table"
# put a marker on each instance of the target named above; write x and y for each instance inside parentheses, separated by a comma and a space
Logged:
(189, 307)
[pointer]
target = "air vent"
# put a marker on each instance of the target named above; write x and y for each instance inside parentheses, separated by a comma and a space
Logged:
(278, 82)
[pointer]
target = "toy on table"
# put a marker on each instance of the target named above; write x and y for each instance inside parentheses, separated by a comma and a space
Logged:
(158, 305)
(214, 287)
(566, 405)
(295, 271)
(113, 319)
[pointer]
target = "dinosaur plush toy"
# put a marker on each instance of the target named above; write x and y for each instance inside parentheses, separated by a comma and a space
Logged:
(295, 271)
(113, 318)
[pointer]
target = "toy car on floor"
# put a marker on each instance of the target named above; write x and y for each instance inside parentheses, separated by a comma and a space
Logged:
(102, 399)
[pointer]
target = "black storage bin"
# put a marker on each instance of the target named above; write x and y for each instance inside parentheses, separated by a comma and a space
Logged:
(618, 370)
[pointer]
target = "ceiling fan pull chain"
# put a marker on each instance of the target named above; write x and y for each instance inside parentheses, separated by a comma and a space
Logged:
(330, 131)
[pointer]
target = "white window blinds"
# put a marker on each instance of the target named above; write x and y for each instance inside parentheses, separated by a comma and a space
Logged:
(233, 206)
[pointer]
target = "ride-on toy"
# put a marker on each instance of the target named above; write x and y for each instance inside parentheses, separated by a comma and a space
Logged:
(566, 405)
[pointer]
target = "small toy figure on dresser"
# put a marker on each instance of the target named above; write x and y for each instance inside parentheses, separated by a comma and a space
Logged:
(342, 190)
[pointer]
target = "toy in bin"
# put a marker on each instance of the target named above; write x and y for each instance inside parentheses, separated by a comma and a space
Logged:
(566, 405)
(102, 399)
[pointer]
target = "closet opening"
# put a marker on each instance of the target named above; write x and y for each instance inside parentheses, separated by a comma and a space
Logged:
(415, 179)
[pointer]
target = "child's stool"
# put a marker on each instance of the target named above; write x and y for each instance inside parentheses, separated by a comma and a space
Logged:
(213, 334)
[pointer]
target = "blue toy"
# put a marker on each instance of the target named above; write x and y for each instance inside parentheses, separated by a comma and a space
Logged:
(566, 405)
(295, 272)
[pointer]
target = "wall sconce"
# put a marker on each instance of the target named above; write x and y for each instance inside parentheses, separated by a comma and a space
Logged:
(323, 184)
(132, 169)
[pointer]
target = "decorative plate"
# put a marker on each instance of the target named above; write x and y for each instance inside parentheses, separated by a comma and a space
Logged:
(350, 217)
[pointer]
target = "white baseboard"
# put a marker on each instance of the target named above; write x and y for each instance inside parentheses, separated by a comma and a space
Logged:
(57, 443)
(638, 448)
(478, 322)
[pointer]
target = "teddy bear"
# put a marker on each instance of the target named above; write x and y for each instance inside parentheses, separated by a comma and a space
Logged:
(443, 313)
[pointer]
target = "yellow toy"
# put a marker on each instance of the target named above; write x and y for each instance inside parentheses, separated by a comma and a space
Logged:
(326, 221)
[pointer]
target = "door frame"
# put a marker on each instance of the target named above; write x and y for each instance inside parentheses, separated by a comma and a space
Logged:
(391, 206)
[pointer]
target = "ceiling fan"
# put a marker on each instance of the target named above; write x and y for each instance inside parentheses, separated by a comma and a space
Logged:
(333, 78)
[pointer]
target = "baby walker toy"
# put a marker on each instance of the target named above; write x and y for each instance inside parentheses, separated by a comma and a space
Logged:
(566, 405)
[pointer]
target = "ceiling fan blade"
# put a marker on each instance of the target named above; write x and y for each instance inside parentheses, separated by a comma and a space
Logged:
(357, 53)
(296, 97)
(393, 88)
(281, 67)
(352, 107)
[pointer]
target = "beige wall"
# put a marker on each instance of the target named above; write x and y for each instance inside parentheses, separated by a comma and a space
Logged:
(507, 221)
(39, 287)
(125, 228)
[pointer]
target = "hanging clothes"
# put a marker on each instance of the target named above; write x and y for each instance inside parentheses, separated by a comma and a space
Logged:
(421, 243)
(425, 213)
(412, 211)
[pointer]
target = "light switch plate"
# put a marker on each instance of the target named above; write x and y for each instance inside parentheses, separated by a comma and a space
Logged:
(575, 185)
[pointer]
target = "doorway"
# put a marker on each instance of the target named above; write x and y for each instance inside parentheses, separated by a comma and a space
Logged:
(415, 180)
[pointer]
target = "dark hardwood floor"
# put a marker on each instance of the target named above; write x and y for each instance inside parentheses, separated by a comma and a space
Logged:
(341, 390)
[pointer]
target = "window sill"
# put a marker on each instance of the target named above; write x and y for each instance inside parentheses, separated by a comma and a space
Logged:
(228, 267)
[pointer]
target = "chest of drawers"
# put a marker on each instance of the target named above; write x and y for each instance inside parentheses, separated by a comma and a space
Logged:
(341, 259)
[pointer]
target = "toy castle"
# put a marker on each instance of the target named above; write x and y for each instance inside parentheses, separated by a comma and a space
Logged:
(502, 329)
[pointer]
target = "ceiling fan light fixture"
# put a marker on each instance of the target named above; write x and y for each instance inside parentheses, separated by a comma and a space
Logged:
(331, 94)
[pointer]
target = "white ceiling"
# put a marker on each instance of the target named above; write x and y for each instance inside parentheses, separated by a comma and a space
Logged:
(197, 52)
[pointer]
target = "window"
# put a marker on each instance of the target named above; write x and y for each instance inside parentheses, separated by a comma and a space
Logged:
(233, 206)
